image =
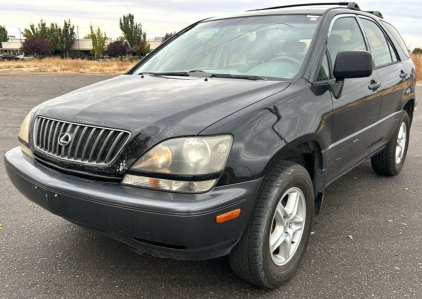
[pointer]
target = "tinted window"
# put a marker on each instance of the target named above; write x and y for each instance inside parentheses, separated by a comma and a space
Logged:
(397, 37)
(324, 69)
(345, 35)
(270, 46)
(392, 52)
(379, 45)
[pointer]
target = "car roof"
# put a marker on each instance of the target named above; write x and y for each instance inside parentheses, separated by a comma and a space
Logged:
(309, 9)
(317, 10)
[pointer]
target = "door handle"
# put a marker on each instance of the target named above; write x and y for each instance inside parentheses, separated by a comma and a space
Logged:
(403, 74)
(374, 85)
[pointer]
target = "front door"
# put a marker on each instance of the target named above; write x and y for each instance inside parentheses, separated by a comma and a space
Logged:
(356, 111)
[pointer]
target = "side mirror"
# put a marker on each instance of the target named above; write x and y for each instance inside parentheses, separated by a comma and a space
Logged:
(353, 64)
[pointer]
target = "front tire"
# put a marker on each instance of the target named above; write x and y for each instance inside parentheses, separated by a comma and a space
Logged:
(275, 240)
(391, 160)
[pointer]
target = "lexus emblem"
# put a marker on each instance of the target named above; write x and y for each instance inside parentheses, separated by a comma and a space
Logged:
(65, 139)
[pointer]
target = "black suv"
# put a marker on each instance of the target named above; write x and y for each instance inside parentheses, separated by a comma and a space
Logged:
(223, 139)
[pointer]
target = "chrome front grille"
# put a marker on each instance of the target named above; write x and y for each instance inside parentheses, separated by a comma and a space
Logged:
(87, 144)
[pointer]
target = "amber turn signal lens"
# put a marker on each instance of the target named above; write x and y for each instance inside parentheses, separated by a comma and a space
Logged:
(227, 216)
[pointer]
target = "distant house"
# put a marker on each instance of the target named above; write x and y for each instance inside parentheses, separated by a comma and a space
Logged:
(83, 47)
(12, 46)
(155, 42)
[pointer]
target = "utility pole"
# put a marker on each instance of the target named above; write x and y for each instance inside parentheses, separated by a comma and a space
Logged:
(79, 49)
(20, 39)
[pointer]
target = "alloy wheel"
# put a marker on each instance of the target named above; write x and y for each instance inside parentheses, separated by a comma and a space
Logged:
(287, 226)
(401, 143)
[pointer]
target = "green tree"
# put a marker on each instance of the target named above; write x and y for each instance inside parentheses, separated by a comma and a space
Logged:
(67, 37)
(54, 38)
(49, 34)
(60, 39)
(98, 42)
(88, 36)
(41, 31)
(132, 31)
(3, 35)
(146, 47)
(417, 51)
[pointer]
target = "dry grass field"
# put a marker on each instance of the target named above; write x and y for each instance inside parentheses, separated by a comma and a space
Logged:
(417, 60)
(57, 65)
(115, 67)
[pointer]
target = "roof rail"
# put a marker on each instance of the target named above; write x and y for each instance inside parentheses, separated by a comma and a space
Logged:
(376, 13)
(353, 5)
(349, 5)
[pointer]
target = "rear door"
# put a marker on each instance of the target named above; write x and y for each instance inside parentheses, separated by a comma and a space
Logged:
(356, 111)
(393, 76)
(401, 48)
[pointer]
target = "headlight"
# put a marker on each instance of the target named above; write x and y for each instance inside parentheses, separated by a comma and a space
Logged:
(24, 132)
(187, 165)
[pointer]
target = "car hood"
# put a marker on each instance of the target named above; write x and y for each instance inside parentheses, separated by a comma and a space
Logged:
(176, 105)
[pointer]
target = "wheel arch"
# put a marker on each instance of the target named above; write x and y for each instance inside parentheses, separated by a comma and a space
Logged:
(306, 151)
(410, 107)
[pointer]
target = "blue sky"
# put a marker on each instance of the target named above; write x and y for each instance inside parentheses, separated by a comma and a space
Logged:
(161, 16)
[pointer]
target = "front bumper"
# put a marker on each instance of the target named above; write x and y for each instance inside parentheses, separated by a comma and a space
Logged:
(163, 224)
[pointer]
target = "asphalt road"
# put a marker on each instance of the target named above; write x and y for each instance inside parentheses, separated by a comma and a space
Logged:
(44, 256)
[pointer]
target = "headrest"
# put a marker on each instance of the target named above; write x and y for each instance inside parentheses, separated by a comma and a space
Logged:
(336, 40)
(259, 50)
(293, 47)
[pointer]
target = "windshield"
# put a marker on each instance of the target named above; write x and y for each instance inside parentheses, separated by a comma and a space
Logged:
(270, 46)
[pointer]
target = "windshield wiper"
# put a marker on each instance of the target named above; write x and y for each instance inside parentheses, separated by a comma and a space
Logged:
(245, 77)
(184, 74)
(203, 74)
(194, 73)
(200, 74)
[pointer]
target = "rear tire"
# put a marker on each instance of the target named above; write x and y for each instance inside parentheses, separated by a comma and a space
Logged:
(275, 240)
(391, 160)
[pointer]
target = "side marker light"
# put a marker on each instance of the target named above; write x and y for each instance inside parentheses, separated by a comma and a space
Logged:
(227, 216)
